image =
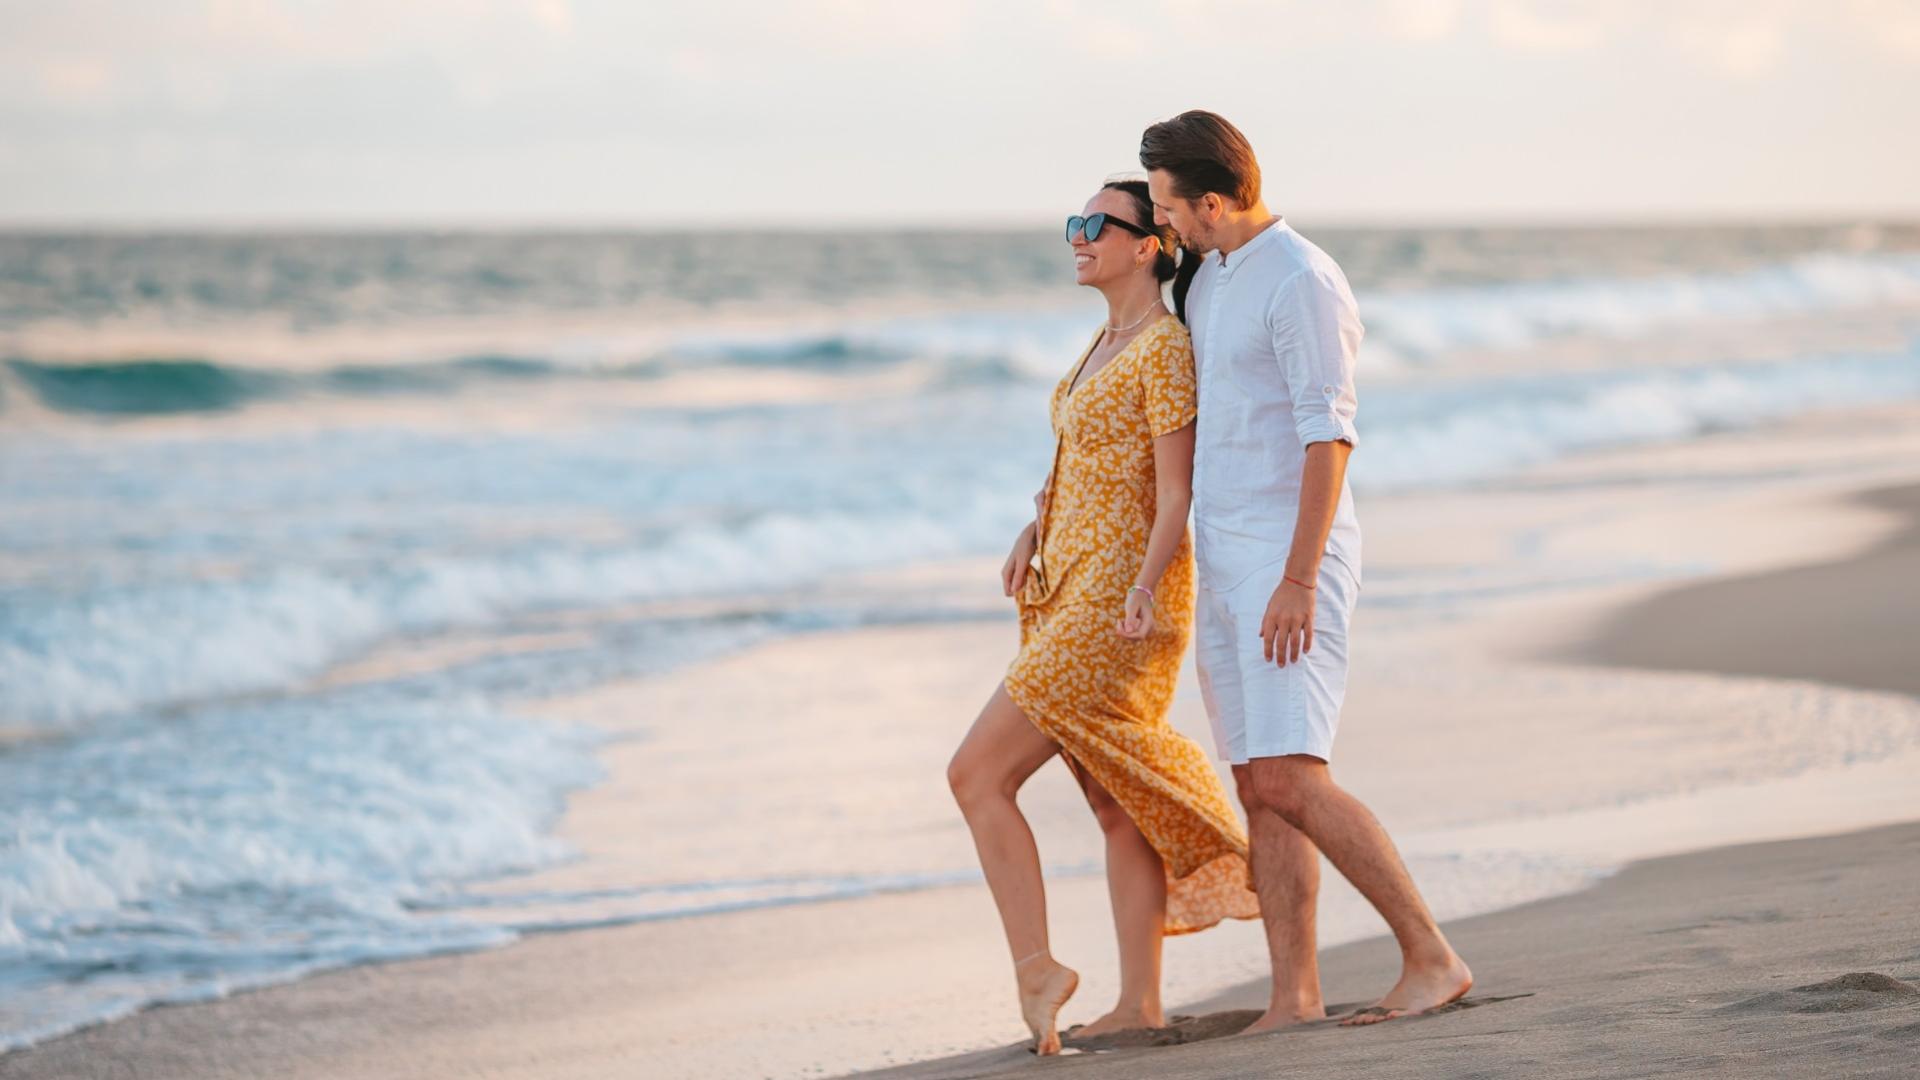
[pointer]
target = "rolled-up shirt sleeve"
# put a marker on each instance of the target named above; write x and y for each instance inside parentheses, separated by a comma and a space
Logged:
(1316, 337)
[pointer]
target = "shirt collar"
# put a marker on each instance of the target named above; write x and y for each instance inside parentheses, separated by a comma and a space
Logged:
(1262, 239)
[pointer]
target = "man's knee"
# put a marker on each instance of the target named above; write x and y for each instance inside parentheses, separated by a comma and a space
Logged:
(1284, 786)
(1248, 791)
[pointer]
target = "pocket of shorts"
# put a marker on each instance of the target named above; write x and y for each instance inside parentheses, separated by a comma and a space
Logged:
(1247, 600)
(1339, 588)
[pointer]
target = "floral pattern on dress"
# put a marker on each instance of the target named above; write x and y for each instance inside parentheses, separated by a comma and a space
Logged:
(1102, 697)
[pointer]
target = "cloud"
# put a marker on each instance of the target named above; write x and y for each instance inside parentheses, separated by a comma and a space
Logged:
(297, 103)
(1741, 46)
(81, 81)
(1421, 20)
(555, 15)
(1893, 25)
(1535, 27)
(194, 54)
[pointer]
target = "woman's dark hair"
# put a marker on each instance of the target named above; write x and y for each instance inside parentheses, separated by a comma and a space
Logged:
(1202, 153)
(1166, 267)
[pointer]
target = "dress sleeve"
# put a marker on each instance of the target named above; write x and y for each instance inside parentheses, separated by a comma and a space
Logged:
(1167, 383)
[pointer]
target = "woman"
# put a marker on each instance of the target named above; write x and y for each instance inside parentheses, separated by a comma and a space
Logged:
(1104, 621)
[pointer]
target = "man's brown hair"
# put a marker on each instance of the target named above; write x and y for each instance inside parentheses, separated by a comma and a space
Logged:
(1202, 152)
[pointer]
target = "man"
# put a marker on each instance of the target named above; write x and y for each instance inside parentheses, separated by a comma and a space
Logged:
(1275, 330)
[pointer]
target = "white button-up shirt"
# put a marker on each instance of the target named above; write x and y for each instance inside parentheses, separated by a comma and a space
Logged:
(1275, 332)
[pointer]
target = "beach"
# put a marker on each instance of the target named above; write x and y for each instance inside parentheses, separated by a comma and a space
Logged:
(1709, 964)
(1592, 835)
(1788, 959)
(503, 509)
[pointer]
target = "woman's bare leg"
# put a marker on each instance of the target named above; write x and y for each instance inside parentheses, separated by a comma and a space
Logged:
(1137, 886)
(1001, 750)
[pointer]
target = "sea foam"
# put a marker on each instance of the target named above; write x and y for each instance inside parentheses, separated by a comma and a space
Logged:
(244, 845)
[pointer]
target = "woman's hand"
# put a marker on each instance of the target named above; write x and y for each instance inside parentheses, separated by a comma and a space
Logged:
(1013, 575)
(1137, 621)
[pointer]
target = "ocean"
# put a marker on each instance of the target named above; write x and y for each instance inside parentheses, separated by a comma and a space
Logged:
(294, 526)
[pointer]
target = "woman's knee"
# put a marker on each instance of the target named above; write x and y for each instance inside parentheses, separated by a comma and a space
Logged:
(975, 782)
(961, 778)
(1107, 810)
(1000, 751)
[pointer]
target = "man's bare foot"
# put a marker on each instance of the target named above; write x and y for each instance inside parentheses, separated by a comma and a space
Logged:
(1276, 1018)
(1045, 985)
(1420, 990)
(1122, 1018)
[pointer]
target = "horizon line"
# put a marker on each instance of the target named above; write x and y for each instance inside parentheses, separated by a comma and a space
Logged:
(309, 224)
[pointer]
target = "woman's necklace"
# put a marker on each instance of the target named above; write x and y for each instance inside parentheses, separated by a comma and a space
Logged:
(1136, 322)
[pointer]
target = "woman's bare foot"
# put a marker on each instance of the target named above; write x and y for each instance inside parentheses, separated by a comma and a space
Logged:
(1045, 985)
(1421, 989)
(1122, 1018)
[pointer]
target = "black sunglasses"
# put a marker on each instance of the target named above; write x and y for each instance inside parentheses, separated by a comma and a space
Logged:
(1091, 225)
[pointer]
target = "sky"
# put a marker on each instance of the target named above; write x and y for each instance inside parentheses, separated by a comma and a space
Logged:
(702, 113)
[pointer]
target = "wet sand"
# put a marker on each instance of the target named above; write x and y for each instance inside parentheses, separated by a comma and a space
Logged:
(1853, 621)
(1791, 959)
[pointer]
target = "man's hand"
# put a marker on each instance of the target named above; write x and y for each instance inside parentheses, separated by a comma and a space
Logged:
(1286, 631)
(1013, 574)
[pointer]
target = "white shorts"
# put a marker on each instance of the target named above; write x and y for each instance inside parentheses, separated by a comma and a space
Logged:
(1258, 708)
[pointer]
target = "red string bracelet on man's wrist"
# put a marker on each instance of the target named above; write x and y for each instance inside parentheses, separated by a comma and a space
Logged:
(1296, 581)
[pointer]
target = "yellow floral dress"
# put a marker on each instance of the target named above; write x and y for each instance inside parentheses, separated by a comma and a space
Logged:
(1103, 697)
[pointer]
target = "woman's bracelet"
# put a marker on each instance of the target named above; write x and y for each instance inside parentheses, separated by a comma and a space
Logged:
(1297, 581)
(1144, 589)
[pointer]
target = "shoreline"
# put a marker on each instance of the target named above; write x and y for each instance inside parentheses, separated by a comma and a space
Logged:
(1860, 610)
(590, 1002)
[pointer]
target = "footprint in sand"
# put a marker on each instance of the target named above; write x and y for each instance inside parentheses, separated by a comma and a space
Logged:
(1715, 922)
(1849, 993)
(1190, 1029)
(1181, 1029)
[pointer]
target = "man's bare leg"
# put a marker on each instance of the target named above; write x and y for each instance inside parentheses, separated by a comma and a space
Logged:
(1300, 789)
(1286, 875)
